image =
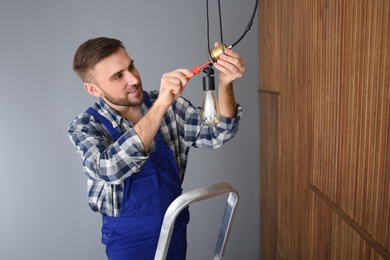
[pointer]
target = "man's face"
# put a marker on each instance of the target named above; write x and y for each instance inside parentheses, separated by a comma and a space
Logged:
(118, 80)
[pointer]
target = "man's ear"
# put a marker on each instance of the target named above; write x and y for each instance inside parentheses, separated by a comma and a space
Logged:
(92, 89)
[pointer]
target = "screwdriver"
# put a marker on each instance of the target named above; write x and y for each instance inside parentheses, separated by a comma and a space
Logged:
(197, 69)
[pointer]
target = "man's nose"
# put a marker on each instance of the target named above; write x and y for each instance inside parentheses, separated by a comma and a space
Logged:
(131, 78)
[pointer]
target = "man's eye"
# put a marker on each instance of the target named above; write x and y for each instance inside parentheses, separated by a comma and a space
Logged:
(118, 76)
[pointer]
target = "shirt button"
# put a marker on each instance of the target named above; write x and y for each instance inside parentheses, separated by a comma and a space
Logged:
(104, 236)
(105, 221)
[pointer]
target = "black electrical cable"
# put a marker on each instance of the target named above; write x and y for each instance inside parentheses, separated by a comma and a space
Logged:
(248, 27)
(213, 54)
(220, 20)
(208, 22)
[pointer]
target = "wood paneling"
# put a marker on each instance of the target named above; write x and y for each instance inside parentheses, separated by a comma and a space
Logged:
(268, 105)
(327, 64)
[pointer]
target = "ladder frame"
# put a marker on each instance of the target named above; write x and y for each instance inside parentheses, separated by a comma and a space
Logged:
(190, 197)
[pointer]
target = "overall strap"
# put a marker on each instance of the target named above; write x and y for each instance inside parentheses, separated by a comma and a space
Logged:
(107, 124)
(147, 99)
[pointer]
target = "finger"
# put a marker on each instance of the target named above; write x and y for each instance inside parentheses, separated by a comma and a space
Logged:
(228, 60)
(228, 65)
(183, 74)
(232, 54)
(177, 76)
(174, 83)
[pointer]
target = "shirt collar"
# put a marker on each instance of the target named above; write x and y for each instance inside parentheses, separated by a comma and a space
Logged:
(110, 113)
(113, 116)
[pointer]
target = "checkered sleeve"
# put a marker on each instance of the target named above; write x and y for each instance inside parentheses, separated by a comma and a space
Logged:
(103, 159)
(196, 134)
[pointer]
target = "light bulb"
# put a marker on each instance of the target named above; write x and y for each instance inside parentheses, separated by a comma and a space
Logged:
(210, 110)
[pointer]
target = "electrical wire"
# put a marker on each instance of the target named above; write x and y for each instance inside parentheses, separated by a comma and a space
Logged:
(248, 27)
(220, 20)
(208, 22)
(197, 69)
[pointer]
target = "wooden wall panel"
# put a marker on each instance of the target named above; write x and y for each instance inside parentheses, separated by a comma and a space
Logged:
(337, 238)
(268, 105)
(352, 104)
(328, 62)
(269, 46)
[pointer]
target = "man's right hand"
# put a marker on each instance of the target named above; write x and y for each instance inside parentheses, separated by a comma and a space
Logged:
(172, 86)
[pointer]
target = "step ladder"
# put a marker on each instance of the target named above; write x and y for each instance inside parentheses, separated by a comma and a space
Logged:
(190, 197)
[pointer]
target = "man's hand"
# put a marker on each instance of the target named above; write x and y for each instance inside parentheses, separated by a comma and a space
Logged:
(172, 86)
(231, 66)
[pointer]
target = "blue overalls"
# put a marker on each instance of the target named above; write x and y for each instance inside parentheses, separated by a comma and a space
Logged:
(147, 194)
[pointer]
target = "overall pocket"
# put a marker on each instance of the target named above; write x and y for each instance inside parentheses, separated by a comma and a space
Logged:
(155, 190)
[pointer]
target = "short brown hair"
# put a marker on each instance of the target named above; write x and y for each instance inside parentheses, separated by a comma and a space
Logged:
(91, 52)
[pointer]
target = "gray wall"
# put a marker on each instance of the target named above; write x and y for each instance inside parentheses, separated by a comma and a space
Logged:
(44, 211)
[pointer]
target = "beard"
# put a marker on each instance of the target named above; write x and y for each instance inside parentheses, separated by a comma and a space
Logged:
(124, 101)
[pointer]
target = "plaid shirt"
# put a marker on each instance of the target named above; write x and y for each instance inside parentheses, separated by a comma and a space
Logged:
(107, 163)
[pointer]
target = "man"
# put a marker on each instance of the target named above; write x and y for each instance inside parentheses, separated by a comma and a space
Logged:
(134, 144)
